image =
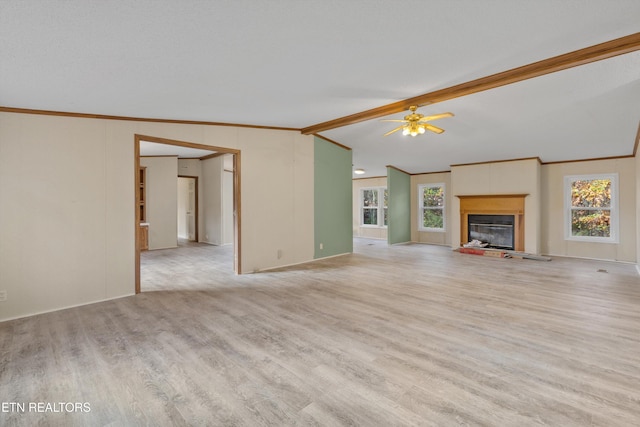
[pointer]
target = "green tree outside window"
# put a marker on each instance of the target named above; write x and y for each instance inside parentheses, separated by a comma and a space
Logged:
(432, 206)
(591, 208)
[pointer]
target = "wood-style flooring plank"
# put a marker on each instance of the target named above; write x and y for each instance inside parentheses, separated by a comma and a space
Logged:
(390, 335)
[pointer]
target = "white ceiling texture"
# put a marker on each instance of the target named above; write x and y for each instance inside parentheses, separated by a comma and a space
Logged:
(297, 63)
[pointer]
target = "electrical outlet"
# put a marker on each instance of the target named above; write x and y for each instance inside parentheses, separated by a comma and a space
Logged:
(3, 295)
(321, 246)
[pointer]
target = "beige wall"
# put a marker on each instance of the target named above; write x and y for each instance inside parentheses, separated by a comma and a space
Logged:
(367, 231)
(162, 201)
(67, 216)
(67, 211)
(183, 207)
(212, 170)
(438, 238)
(553, 239)
(227, 211)
(215, 197)
(513, 177)
(544, 205)
(193, 167)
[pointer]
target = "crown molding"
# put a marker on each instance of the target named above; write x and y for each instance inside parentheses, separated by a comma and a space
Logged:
(594, 159)
(429, 173)
(398, 169)
(498, 161)
(211, 156)
(136, 119)
(332, 141)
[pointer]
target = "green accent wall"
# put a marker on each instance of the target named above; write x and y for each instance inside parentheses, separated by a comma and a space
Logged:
(399, 206)
(333, 207)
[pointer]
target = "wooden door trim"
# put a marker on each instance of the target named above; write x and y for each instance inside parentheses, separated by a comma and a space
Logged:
(136, 192)
(237, 193)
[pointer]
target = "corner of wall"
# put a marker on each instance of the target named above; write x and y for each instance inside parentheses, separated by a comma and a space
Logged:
(399, 206)
(637, 174)
(333, 234)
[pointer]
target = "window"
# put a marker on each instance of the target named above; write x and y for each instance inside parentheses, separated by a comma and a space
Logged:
(374, 206)
(591, 208)
(431, 215)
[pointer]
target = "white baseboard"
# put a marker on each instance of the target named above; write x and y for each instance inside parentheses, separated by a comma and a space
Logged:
(64, 308)
(297, 263)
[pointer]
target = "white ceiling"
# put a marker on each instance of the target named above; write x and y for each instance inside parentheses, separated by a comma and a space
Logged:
(154, 149)
(292, 63)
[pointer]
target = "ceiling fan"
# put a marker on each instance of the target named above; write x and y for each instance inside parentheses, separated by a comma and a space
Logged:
(416, 123)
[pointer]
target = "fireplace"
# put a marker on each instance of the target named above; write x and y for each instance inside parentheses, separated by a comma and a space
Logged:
(495, 230)
(496, 219)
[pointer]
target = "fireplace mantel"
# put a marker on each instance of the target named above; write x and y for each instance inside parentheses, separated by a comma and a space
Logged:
(494, 204)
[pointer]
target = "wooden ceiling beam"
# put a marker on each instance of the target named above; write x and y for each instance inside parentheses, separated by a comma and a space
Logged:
(565, 61)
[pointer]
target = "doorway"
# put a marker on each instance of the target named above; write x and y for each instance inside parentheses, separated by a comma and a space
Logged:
(218, 151)
(188, 208)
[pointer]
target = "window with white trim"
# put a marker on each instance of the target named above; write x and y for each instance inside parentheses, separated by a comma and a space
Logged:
(591, 208)
(373, 207)
(431, 206)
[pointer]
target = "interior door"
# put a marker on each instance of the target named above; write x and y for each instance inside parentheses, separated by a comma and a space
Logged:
(191, 210)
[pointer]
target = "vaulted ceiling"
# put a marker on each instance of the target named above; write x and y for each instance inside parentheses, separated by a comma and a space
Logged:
(294, 64)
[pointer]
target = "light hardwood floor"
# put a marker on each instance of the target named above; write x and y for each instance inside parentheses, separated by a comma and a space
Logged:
(387, 336)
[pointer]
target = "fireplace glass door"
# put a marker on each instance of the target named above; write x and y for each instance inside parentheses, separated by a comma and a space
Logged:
(495, 230)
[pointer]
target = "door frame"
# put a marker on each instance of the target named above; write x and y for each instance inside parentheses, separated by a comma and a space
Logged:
(237, 217)
(195, 178)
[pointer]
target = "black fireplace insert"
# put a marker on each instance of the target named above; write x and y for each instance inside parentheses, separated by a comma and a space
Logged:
(495, 230)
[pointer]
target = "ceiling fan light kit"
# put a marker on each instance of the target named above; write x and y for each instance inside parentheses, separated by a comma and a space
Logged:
(413, 129)
(416, 123)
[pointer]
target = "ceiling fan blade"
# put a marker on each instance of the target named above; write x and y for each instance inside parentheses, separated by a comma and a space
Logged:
(435, 117)
(399, 121)
(395, 130)
(432, 128)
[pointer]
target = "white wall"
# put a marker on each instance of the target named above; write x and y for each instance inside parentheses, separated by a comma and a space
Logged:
(193, 167)
(227, 208)
(189, 167)
(162, 201)
(212, 170)
(513, 177)
(183, 207)
(215, 197)
(67, 214)
(553, 210)
(277, 197)
(371, 232)
(67, 204)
